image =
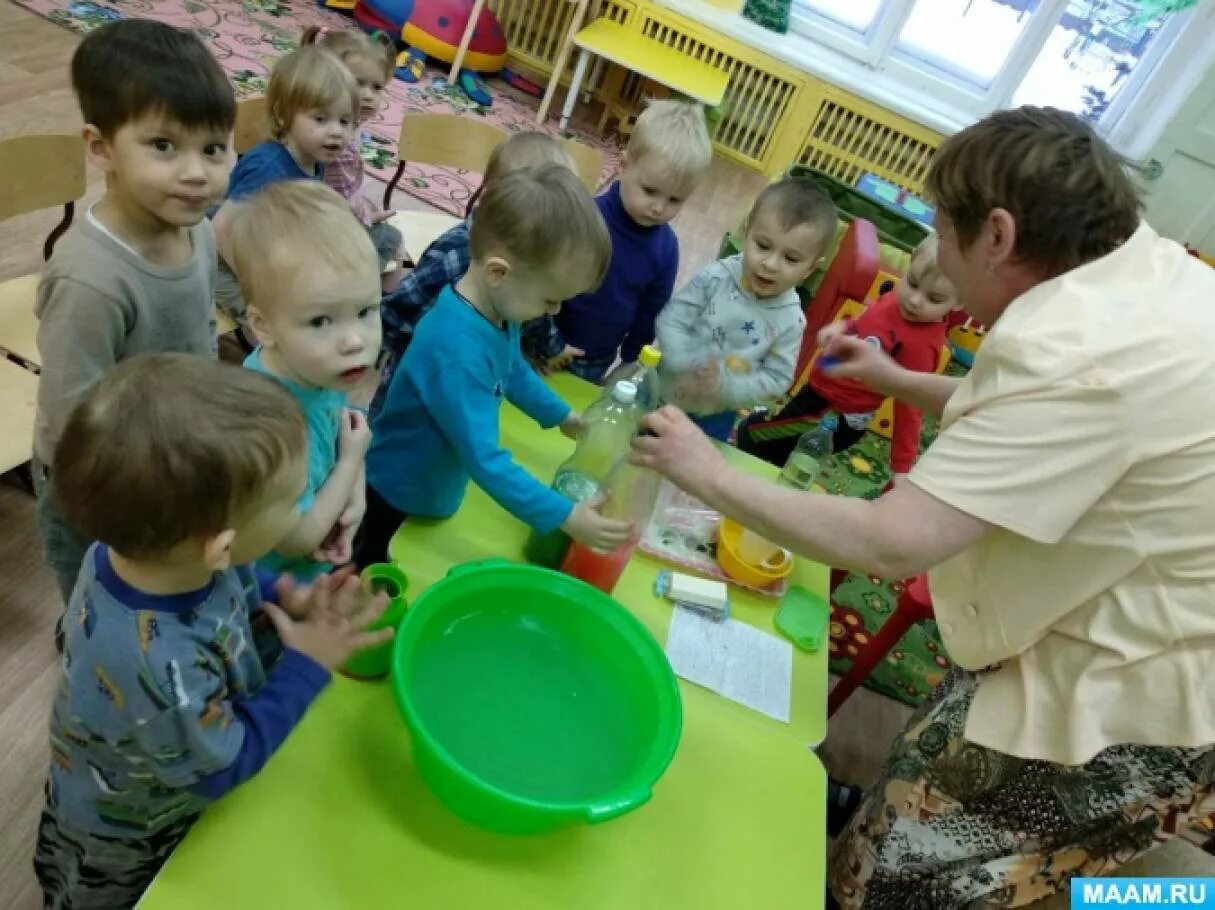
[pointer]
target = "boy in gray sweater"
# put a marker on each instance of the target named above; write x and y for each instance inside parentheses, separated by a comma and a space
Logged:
(137, 273)
(731, 336)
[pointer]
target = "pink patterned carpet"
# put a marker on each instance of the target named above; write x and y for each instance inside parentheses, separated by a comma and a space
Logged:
(247, 36)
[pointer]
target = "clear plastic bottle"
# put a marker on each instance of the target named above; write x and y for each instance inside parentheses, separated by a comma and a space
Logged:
(815, 446)
(800, 472)
(649, 394)
(607, 433)
(631, 492)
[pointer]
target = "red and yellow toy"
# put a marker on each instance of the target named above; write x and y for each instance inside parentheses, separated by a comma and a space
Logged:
(433, 28)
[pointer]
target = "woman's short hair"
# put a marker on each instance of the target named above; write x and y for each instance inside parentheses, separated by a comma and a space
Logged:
(538, 217)
(167, 447)
(1070, 194)
(307, 78)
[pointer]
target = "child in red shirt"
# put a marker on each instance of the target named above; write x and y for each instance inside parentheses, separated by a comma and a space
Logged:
(908, 323)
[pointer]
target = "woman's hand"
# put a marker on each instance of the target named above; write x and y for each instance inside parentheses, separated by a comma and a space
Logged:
(849, 357)
(677, 449)
(832, 330)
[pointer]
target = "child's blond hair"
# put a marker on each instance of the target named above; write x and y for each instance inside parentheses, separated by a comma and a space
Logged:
(540, 216)
(346, 43)
(675, 133)
(284, 229)
(520, 150)
(169, 447)
(308, 78)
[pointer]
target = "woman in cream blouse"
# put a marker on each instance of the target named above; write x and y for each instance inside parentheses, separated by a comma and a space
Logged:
(1066, 517)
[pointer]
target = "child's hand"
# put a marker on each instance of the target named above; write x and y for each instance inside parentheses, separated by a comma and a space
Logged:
(293, 599)
(338, 546)
(330, 618)
(355, 435)
(572, 425)
(556, 364)
(587, 526)
(698, 390)
(382, 216)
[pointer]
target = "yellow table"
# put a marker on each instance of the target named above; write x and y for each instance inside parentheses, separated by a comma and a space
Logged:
(340, 819)
(647, 57)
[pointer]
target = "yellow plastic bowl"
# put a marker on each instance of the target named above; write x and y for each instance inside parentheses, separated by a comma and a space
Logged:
(757, 576)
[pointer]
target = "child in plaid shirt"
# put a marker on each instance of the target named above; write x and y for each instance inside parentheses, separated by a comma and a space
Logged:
(446, 259)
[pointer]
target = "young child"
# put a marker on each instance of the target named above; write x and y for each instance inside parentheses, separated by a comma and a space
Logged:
(312, 101)
(668, 154)
(184, 470)
(310, 277)
(909, 324)
(371, 59)
(446, 259)
(731, 336)
(537, 239)
(137, 272)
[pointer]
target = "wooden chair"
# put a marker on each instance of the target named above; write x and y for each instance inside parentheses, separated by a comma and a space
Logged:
(252, 124)
(443, 140)
(588, 163)
(39, 172)
(563, 58)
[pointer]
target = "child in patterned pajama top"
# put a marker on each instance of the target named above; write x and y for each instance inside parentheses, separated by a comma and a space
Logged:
(184, 471)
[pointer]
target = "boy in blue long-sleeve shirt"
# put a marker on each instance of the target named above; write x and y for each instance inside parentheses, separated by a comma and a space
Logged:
(537, 239)
(183, 470)
(668, 154)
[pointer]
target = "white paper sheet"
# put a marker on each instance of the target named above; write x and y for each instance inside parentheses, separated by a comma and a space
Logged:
(733, 659)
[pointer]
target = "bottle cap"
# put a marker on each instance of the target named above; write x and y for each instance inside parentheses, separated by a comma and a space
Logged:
(649, 356)
(625, 392)
(829, 421)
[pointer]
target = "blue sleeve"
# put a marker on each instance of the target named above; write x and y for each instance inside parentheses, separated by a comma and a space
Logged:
(461, 401)
(527, 391)
(256, 170)
(265, 584)
(653, 299)
(266, 719)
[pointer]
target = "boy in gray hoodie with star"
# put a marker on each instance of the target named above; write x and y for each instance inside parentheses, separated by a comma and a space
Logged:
(731, 336)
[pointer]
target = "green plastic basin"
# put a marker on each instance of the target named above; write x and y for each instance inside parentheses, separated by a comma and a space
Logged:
(534, 700)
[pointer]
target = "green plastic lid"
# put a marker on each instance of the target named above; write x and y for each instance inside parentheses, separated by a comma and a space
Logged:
(803, 617)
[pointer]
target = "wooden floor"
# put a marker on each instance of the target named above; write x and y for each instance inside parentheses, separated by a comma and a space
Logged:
(35, 97)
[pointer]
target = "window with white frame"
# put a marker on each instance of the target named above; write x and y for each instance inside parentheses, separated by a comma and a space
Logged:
(1086, 56)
